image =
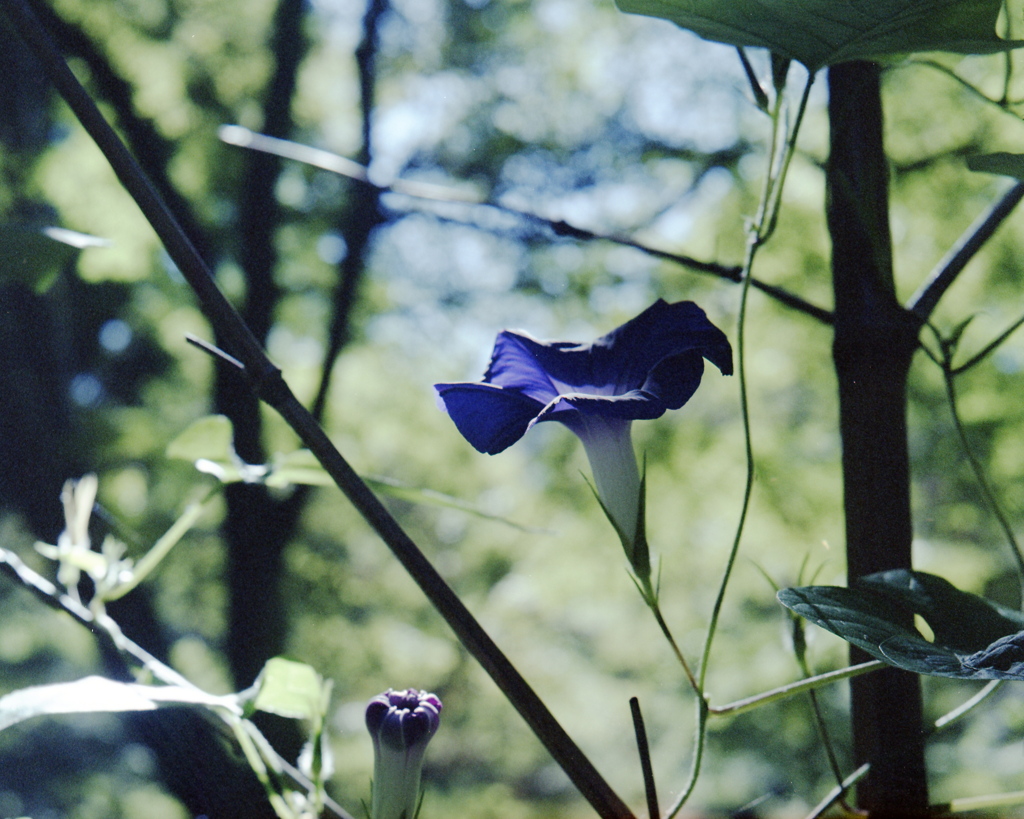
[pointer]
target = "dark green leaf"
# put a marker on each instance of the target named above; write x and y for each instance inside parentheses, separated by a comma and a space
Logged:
(974, 638)
(823, 32)
(962, 621)
(1002, 163)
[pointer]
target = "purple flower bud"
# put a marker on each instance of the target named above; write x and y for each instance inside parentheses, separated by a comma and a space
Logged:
(401, 724)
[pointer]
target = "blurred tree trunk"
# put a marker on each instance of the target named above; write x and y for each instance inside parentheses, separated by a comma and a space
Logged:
(257, 527)
(362, 214)
(875, 340)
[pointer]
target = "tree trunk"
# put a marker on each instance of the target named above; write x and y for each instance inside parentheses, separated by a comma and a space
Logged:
(875, 340)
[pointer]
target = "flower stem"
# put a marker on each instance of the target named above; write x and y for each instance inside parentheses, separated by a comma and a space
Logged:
(652, 604)
(759, 233)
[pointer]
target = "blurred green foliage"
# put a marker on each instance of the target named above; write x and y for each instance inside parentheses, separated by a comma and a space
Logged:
(563, 108)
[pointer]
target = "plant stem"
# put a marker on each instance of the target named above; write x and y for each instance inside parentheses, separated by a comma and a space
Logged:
(979, 471)
(645, 759)
(656, 611)
(798, 687)
(952, 716)
(759, 233)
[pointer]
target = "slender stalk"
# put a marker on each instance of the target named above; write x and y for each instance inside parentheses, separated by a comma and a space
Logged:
(656, 611)
(798, 687)
(645, 759)
(758, 234)
(952, 716)
(760, 97)
(700, 735)
(837, 792)
(972, 803)
(924, 301)
(767, 226)
(978, 469)
(980, 356)
(161, 548)
(113, 641)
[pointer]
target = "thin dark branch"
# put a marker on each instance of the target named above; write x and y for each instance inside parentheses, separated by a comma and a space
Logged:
(242, 137)
(645, 758)
(924, 301)
(271, 387)
(988, 348)
(760, 96)
(362, 215)
(214, 351)
(972, 146)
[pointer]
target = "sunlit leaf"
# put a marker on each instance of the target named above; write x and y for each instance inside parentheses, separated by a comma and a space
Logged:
(824, 32)
(289, 689)
(1002, 163)
(34, 256)
(209, 444)
(98, 694)
(974, 638)
(210, 437)
(298, 467)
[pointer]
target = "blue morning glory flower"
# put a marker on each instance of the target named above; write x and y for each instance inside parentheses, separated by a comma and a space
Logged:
(650, 364)
(401, 724)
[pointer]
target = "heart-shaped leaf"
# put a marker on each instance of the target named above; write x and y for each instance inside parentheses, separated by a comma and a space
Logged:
(824, 32)
(289, 689)
(974, 638)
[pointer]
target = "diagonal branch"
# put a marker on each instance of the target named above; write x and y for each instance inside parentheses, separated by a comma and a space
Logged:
(325, 160)
(924, 301)
(268, 383)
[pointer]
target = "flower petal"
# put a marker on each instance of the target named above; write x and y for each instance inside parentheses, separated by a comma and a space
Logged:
(627, 355)
(670, 385)
(638, 371)
(491, 418)
(675, 379)
(518, 362)
(635, 405)
(617, 362)
(566, 362)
